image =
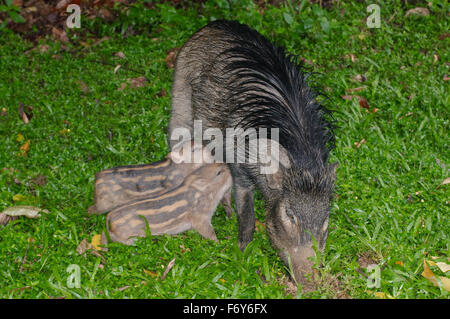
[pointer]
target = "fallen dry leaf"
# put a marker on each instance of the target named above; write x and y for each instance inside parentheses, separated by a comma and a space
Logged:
(260, 226)
(83, 86)
(96, 242)
(84, 246)
(61, 5)
(359, 78)
(5, 219)
(358, 144)
(123, 288)
(168, 268)
(13, 213)
(446, 181)
(171, 57)
(444, 267)
(351, 56)
(162, 93)
(428, 274)
(446, 77)
(120, 55)
(363, 103)
(43, 48)
(417, 11)
(22, 113)
(137, 82)
(151, 273)
(60, 35)
(122, 87)
(380, 295)
(443, 36)
(348, 97)
(117, 68)
(25, 148)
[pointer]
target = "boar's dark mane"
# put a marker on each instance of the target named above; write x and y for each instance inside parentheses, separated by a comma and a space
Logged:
(269, 89)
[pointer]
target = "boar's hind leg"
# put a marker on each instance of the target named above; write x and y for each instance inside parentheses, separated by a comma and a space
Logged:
(246, 215)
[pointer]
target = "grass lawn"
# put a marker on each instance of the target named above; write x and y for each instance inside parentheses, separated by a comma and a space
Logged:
(389, 208)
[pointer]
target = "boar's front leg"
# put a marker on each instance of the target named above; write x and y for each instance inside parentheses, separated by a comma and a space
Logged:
(243, 196)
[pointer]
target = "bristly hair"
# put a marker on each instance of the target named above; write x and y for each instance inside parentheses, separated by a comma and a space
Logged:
(269, 89)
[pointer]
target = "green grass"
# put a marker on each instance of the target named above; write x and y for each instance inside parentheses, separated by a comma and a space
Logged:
(388, 207)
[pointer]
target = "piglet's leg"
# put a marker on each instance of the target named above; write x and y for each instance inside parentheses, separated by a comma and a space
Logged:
(206, 230)
(226, 202)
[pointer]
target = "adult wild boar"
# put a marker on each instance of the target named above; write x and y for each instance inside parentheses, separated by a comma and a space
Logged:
(228, 75)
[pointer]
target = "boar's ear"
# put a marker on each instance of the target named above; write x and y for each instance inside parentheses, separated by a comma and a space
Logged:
(200, 184)
(274, 174)
(332, 170)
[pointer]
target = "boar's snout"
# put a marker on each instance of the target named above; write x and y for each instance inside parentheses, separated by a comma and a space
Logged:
(302, 262)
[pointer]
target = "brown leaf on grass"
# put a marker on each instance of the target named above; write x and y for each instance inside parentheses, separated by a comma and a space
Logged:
(106, 14)
(120, 55)
(444, 36)
(445, 181)
(151, 273)
(417, 11)
(83, 247)
(358, 144)
(168, 268)
(25, 148)
(39, 180)
(304, 60)
(137, 82)
(436, 57)
(3, 112)
(22, 113)
(363, 103)
(60, 35)
(61, 5)
(5, 219)
(43, 48)
(83, 86)
(446, 77)
(260, 226)
(86, 246)
(161, 93)
(348, 97)
(351, 56)
(96, 242)
(184, 249)
(117, 68)
(428, 274)
(171, 57)
(123, 288)
(122, 87)
(360, 78)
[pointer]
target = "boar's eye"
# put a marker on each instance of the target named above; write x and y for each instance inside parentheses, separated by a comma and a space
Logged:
(290, 215)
